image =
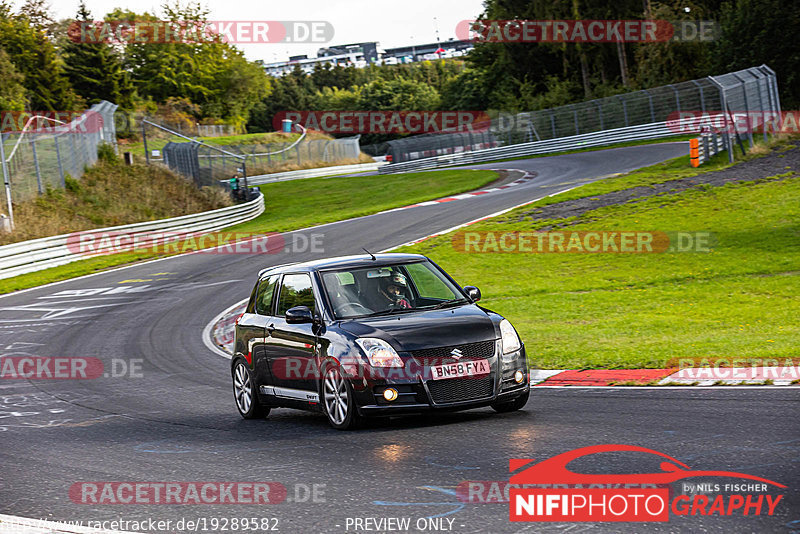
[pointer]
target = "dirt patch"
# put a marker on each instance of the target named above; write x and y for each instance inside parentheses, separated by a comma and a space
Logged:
(756, 169)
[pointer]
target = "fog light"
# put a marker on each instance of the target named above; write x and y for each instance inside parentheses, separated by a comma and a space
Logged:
(390, 394)
(519, 376)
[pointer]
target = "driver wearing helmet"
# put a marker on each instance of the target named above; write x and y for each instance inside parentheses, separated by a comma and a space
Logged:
(393, 288)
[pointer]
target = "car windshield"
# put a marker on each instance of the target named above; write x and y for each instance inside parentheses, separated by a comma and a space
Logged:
(389, 289)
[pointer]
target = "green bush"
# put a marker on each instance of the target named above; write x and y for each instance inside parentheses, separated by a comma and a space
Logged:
(105, 152)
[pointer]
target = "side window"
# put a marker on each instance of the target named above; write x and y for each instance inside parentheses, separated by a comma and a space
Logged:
(429, 284)
(266, 290)
(296, 290)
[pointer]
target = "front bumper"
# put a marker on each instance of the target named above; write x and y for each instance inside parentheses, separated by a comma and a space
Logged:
(415, 395)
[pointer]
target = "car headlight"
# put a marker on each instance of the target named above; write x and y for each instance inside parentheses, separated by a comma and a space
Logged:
(509, 337)
(379, 353)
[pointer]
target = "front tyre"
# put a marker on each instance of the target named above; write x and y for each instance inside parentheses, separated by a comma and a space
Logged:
(512, 405)
(244, 393)
(339, 401)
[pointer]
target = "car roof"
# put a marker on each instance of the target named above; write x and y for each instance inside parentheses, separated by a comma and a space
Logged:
(343, 262)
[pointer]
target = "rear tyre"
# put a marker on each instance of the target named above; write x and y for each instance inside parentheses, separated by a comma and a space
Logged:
(244, 393)
(512, 405)
(339, 401)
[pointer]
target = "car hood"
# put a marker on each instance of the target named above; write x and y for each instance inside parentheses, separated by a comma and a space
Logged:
(426, 329)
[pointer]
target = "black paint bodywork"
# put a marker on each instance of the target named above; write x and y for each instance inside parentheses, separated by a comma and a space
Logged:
(266, 342)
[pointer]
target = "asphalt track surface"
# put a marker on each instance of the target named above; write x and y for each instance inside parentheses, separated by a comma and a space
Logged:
(174, 419)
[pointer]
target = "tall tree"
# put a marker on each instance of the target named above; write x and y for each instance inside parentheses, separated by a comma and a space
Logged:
(756, 32)
(12, 90)
(210, 73)
(95, 70)
(670, 62)
(34, 55)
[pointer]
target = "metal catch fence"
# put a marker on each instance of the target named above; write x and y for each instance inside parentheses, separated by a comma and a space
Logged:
(753, 90)
(276, 157)
(210, 164)
(46, 150)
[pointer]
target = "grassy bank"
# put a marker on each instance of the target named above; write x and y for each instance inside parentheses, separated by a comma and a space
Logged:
(651, 310)
(111, 194)
(299, 204)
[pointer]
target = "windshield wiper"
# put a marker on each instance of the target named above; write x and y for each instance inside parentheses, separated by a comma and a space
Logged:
(390, 311)
(447, 303)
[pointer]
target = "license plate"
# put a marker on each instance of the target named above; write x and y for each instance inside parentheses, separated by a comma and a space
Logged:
(460, 369)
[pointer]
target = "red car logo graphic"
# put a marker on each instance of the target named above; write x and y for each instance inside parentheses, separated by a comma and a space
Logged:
(554, 470)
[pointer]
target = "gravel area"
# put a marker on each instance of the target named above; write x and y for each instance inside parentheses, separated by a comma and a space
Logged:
(777, 162)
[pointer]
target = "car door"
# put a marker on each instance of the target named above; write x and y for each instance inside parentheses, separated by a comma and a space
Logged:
(290, 348)
(252, 328)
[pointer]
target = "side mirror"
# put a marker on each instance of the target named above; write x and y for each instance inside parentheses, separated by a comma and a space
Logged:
(473, 293)
(299, 314)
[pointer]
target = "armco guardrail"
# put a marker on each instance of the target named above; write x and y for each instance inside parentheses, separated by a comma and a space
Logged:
(38, 254)
(313, 173)
(656, 130)
(705, 147)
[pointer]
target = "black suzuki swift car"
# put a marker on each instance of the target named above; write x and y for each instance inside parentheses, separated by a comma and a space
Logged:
(372, 335)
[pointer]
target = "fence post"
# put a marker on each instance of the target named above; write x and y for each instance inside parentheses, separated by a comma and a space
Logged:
(244, 175)
(624, 109)
(775, 93)
(726, 136)
(553, 123)
(652, 110)
(6, 180)
(771, 104)
(743, 85)
(677, 97)
(144, 139)
(761, 105)
(32, 141)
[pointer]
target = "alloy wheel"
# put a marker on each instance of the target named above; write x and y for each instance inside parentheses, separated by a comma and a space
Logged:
(336, 398)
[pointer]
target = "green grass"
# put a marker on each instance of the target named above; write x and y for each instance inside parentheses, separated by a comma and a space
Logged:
(652, 310)
(298, 204)
(302, 203)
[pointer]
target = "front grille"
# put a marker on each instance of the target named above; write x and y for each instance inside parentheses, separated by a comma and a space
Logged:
(460, 389)
(469, 351)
